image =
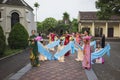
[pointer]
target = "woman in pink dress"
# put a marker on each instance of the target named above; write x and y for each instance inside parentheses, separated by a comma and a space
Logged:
(86, 51)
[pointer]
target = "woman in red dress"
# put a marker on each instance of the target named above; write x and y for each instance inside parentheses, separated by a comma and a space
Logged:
(67, 40)
(52, 37)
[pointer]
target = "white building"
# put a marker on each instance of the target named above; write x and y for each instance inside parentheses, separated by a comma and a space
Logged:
(88, 20)
(13, 11)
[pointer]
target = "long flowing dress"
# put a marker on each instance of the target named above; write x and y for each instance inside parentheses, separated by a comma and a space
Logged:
(42, 57)
(52, 37)
(80, 52)
(103, 41)
(79, 55)
(87, 54)
(78, 38)
(67, 36)
(33, 51)
(60, 59)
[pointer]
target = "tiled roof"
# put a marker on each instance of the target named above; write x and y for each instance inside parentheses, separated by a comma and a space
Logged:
(15, 2)
(93, 16)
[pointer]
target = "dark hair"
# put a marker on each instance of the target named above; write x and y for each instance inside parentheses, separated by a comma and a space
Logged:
(60, 42)
(32, 31)
(87, 31)
(103, 35)
(67, 31)
(40, 34)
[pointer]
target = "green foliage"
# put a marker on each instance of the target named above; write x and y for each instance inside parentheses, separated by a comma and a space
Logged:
(9, 51)
(62, 28)
(39, 27)
(2, 42)
(18, 37)
(36, 4)
(66, 17)
(107, 8)
(49, 24)
(74, 25)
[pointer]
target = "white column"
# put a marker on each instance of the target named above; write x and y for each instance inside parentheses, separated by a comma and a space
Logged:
(119, 30)
(106, 33)
(93, 29)
(79, 27)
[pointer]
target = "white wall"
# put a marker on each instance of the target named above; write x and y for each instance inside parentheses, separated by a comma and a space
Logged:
(30, 21)
(26, 18)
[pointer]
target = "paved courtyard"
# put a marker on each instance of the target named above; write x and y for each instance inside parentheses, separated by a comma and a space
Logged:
(54, 70)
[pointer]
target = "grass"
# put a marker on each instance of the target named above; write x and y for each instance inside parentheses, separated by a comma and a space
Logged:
(9, 51)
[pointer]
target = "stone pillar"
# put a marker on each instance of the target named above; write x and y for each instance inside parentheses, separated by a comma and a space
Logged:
(93, 29)
(106, 33)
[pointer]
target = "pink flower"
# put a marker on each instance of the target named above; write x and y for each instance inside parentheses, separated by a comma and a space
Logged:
(38, 38)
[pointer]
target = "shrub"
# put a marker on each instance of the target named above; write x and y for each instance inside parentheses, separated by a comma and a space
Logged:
(18, 37)
(2, 42)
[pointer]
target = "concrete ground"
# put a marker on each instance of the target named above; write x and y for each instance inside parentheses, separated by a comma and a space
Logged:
(110, 70)
(12, 64)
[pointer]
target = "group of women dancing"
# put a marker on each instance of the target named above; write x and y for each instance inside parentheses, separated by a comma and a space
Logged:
(80, 39)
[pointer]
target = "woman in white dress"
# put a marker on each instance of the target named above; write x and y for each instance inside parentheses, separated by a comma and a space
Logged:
(60, 47)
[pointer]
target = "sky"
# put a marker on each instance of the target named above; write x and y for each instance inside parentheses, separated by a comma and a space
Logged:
(56, 8)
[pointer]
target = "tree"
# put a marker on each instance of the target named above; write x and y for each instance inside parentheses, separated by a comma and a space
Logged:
(39, 27)
(36, 5)
(2, 42)
(66, 18)
(18, 37)
(74, 25)
(49, 24)
(107, 8)
(61, 28)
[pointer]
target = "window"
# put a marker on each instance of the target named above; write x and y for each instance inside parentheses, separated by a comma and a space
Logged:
(98, 32)
(85, 28)
(14, 19)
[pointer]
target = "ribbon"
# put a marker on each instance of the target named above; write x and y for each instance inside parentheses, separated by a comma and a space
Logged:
(69, 46)
(53, 44)
(93, 43)
(97, 54)
(43, 51)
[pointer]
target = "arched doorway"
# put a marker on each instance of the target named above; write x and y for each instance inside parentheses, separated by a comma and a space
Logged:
(14, 18)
